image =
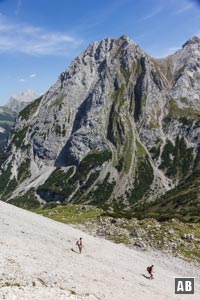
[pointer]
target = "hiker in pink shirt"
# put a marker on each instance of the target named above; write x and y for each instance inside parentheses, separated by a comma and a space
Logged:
(79, 243)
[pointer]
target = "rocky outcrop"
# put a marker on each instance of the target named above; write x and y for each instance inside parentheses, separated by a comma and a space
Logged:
(168, 236)
(127, 123)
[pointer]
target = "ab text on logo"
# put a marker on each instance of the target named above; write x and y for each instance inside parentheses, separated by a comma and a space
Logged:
(184, 285)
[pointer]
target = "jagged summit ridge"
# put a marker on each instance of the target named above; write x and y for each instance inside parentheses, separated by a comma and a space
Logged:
(195, 40)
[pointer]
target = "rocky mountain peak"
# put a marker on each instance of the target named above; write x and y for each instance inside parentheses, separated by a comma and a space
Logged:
(114, 126)
(195, 40)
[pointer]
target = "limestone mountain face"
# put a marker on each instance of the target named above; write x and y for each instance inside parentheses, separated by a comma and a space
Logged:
(118, 127)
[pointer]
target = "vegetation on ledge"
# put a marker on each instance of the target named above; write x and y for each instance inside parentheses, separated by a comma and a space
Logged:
(30, 109)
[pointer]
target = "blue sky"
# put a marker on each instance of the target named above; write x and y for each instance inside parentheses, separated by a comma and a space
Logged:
(39, 38)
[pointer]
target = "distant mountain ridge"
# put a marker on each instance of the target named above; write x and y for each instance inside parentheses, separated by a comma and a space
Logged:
(17, 102)
(9, 111)
(118, 128)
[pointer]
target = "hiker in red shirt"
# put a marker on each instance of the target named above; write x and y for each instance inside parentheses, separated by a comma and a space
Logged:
(150, 271)
(79, 243)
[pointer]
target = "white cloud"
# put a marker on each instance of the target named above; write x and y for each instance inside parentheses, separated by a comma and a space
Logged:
(183, 9)
(21, 80)
(5, 27)
(34, 40)
(33, 75)
(151, 14)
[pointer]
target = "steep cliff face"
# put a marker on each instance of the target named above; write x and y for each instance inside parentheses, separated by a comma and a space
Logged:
(117, 127)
